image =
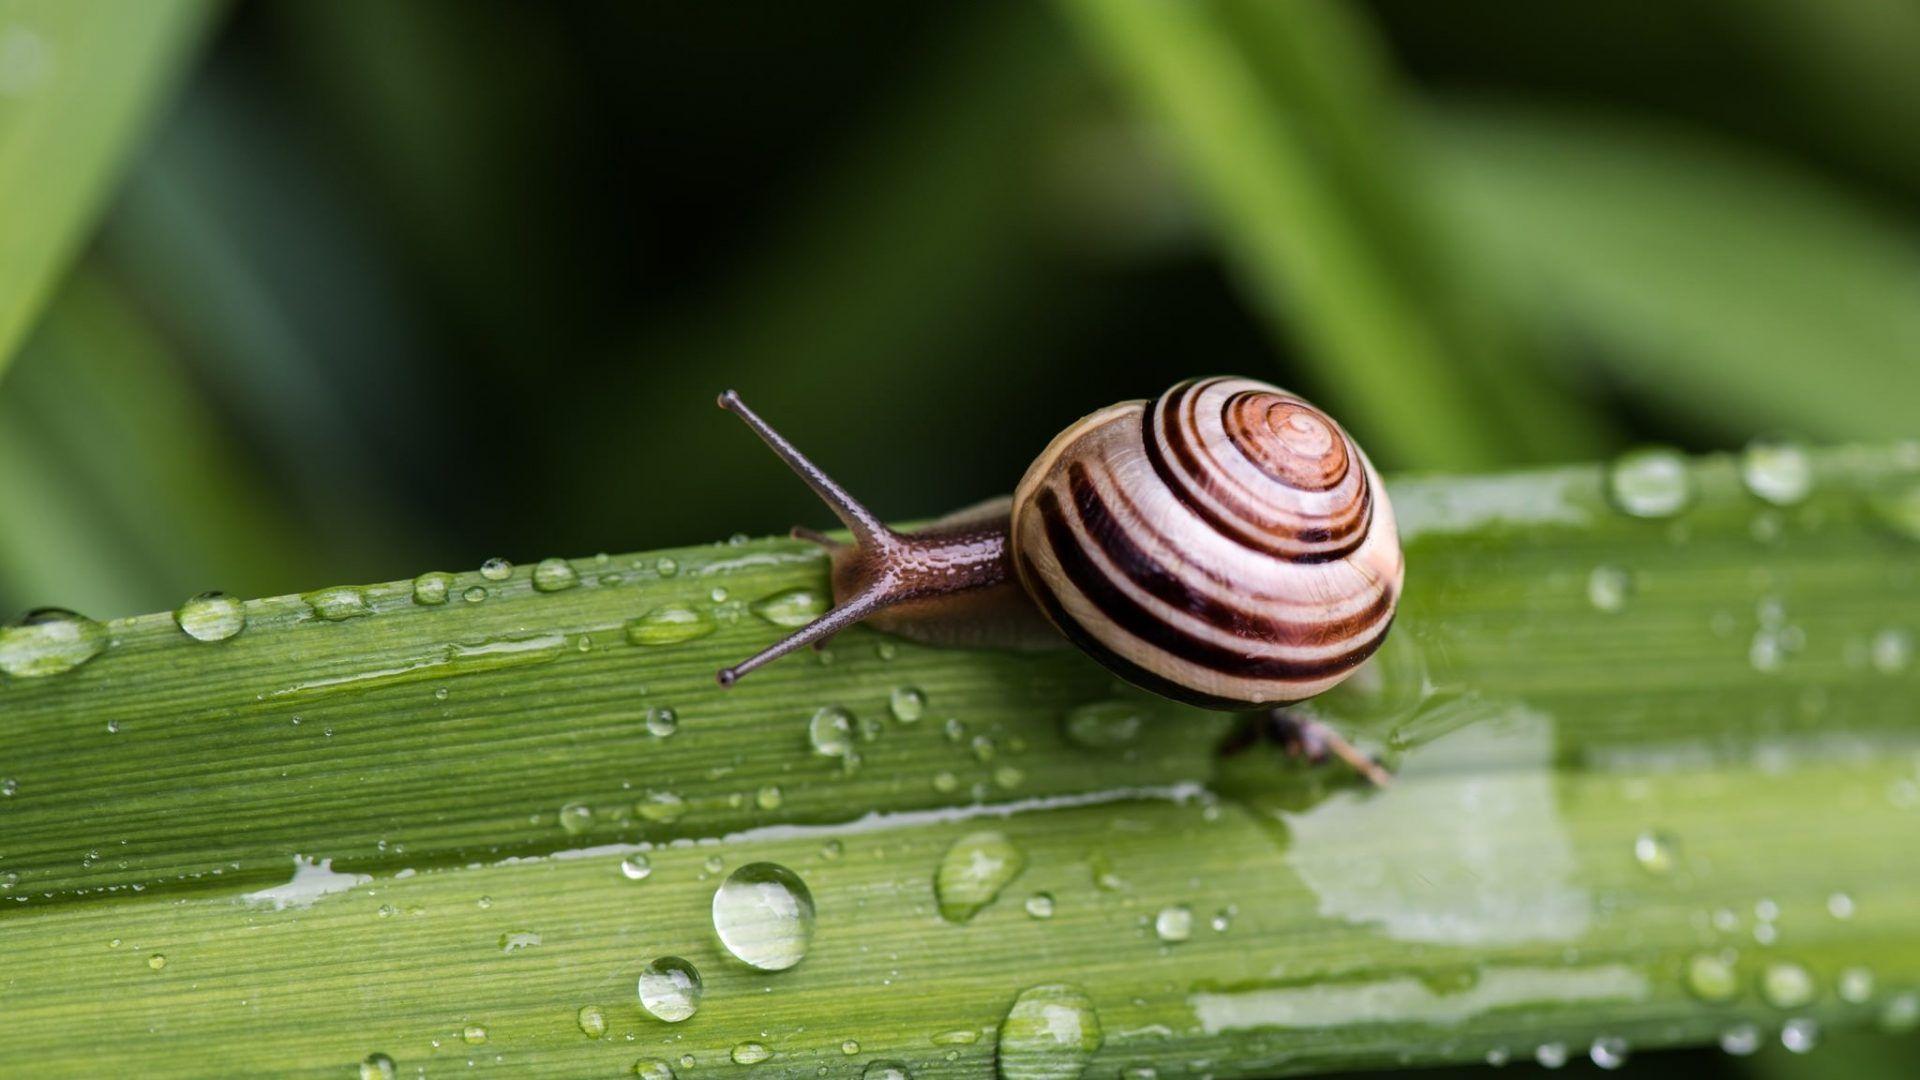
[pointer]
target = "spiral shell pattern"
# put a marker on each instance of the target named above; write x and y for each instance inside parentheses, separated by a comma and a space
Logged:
(1225, 544)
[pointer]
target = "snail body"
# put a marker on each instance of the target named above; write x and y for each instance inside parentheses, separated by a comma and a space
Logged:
(1225, 544)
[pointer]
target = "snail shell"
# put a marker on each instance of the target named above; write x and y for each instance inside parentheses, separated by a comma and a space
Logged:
(1226, 544)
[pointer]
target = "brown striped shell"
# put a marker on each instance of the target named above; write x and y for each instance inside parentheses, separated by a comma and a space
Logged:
(1226, 544)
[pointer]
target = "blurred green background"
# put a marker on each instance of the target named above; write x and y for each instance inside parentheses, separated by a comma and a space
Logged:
(296, 293)
(371, 287)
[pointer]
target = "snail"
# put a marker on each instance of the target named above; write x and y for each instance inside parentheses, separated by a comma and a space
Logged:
(1225, 544)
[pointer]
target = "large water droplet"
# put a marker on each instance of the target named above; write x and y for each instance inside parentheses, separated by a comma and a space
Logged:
(907, 704)
(636, 867)
(576, 818)
(973, 871)
(1800, 1035)
(432, 587)
(1740, 1040)
(1608, 1052)
(1891, 651)
(652, 1069)
(1656, 852)
(211, 616)
(1786, 985)
(885, 1070)
(593, 1022)
(791, 609)
(1608, 588)
(763, 913)
(1855, 985)
(1651, 483)
(1550, 1055)
(670, 989)
(669, 625)
(1040, 905)
(554, 575)
(473, 1034)
(1050, 1033)
(750, 1053)
(1104, 725)
(496, 569)
(661, 807)
(377, 1067)
(831, 731)
(1174, 923)
(662, 721)
(1711, 977)
(338, 604)
(1777, 471)
(49, 641)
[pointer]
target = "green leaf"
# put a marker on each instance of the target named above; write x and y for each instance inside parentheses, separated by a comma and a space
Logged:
(77, 81)
(1720, 284)
(1649, 771)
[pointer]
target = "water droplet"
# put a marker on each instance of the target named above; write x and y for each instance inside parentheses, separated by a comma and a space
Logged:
(432, 587)
(652, 1069)
(1855, 985)
(1840, 906)
(576, 818)
(1655, 852)
(1105, 877)
(1800, 1034)
(885, 1070)
(956, 1037)
(1139, 1072)
(484, 902)
(636, 867)
(832, 849)
(554, 575)
(338, 604)
(377, 1067)
(791, 609)
(666, 566)
(156, 961)
(973, 871)
(1550, 1055)
(907, 704)
(831, 731)
(8, 785)
(1040, 905)
(473, 1034)
(670, 989)
(661, 807)
(1740, 1040)
(49, 641)
(750, 1053)
(768, 797)
(1777, 471)
(945, 782)
(1786, 985)
(669, 625)
(1608, 588)
(1892, 651)
(211, 616)
(1901, 1013)
(1050, 1033)
(1221, 920)
(496, 569)
(474, 594)
(713, 863)
(850, 1047)
(763, 913)
(1651, 483)
(1104, 725)
(886, 650)
(662, 721)
(1173, 923)
(1608, 1052)
(1711, 977)
(593, 1022)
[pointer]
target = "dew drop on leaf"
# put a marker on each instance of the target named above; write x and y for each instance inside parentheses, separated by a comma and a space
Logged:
(763, 914)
